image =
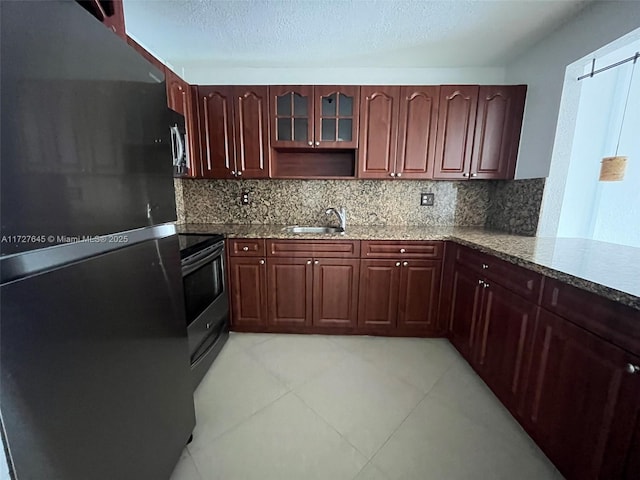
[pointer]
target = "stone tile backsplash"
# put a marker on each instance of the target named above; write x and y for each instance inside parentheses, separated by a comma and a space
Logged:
(368, 202)
(514, 206)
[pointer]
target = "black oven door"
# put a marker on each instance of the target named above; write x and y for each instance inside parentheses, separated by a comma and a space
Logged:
(206, 302)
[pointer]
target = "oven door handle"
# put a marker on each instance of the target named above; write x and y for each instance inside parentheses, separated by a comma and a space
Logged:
(199, 259)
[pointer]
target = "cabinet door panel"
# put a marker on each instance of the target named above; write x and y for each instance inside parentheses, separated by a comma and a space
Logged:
(497, 135)
(336, 116)
(417, 131)
(419, 293)
(378, 297)
(574, 394)
(465, 310)
(215, 112)
(248, 291)
(378, 131)
(252, 131)
(456, 124)
(335, 292)
(504, 346)
(291, 116)
(290, 291)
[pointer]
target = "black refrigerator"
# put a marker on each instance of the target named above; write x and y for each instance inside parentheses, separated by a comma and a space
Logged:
(94, 364)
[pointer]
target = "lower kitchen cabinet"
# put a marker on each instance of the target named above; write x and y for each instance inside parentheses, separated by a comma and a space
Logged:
(313, 292)
(399, 294)
(466, 302)
(290, 283)
(248, 278)
(505, 332)
(583, 402)
(335, 292)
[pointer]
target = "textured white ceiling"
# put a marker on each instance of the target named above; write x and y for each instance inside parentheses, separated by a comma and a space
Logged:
(359, 33)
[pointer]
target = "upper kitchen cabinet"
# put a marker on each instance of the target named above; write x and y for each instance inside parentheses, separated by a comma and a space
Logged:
(456, 126)
(291, 116)
(109, 12)
(251, 122)
(478, 131)
(398, 134)
(178, 93)
(417, 131)
(233, 131)
(497, 135)
(336, 116)
(378, 132)
(215, 117)
(314, 116)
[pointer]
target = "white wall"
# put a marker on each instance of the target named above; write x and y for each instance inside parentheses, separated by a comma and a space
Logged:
(543, 68)
(229, 75)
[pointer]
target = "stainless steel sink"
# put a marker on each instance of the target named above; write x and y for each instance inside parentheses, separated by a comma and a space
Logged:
(297, 229)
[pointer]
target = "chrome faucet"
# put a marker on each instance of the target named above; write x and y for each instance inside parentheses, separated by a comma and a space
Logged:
(341, 213)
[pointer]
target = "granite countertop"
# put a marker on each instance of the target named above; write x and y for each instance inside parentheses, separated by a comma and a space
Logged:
(607, 269)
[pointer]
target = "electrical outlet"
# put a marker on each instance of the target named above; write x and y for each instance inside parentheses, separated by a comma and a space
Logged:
(244, 198)
(426, 199)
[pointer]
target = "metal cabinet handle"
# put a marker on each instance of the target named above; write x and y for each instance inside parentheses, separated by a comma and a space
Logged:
(486, 285)
(480, 282)
(474, 174)
(308, 262)
(404, 264)
(485, 266)
(208, 326)
(402, 250)
(397, 264)
(631, 368)
(392, 174)
(245, 249)
(233, 172)
(317, 143)
(261, 262)
(465, 174)
(310, 142)
(398, 174)
(238, 174)
(316, 262)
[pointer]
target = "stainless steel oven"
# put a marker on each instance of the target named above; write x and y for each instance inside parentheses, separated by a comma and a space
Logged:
(205, 297)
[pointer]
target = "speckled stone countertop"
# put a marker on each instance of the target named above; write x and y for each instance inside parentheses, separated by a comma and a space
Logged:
(604, 268)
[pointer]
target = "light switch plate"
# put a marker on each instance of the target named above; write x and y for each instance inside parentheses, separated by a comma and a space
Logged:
(427, 199)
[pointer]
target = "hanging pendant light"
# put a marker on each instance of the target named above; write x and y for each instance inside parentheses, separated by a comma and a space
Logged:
(612, 168)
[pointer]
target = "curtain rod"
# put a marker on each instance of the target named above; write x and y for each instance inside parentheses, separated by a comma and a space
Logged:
(593, 72)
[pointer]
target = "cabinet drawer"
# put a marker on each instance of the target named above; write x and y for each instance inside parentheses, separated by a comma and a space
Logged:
(395, 249)
(246, 247)
(610, 320)
(313, 249)
(522, 281)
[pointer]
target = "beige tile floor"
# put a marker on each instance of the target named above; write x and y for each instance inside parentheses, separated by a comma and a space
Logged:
(301, 407)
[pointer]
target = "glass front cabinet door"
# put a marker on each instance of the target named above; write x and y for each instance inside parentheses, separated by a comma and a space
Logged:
(314, 116)
(336, 116)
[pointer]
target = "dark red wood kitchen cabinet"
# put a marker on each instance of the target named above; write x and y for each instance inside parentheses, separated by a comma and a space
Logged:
(417, 124)
(290, 291)
(379, 108)
(497, 131)
(464, 312)
(178, 93)
(503, 345)
(215, 115)
(248, 286)
(251, 120)
(109, 12)
(336, 116)
(456, 126)
(378, 297)
(583, 401)
(418, 297)
(400, 294)
(335, 292)
(291, 116)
